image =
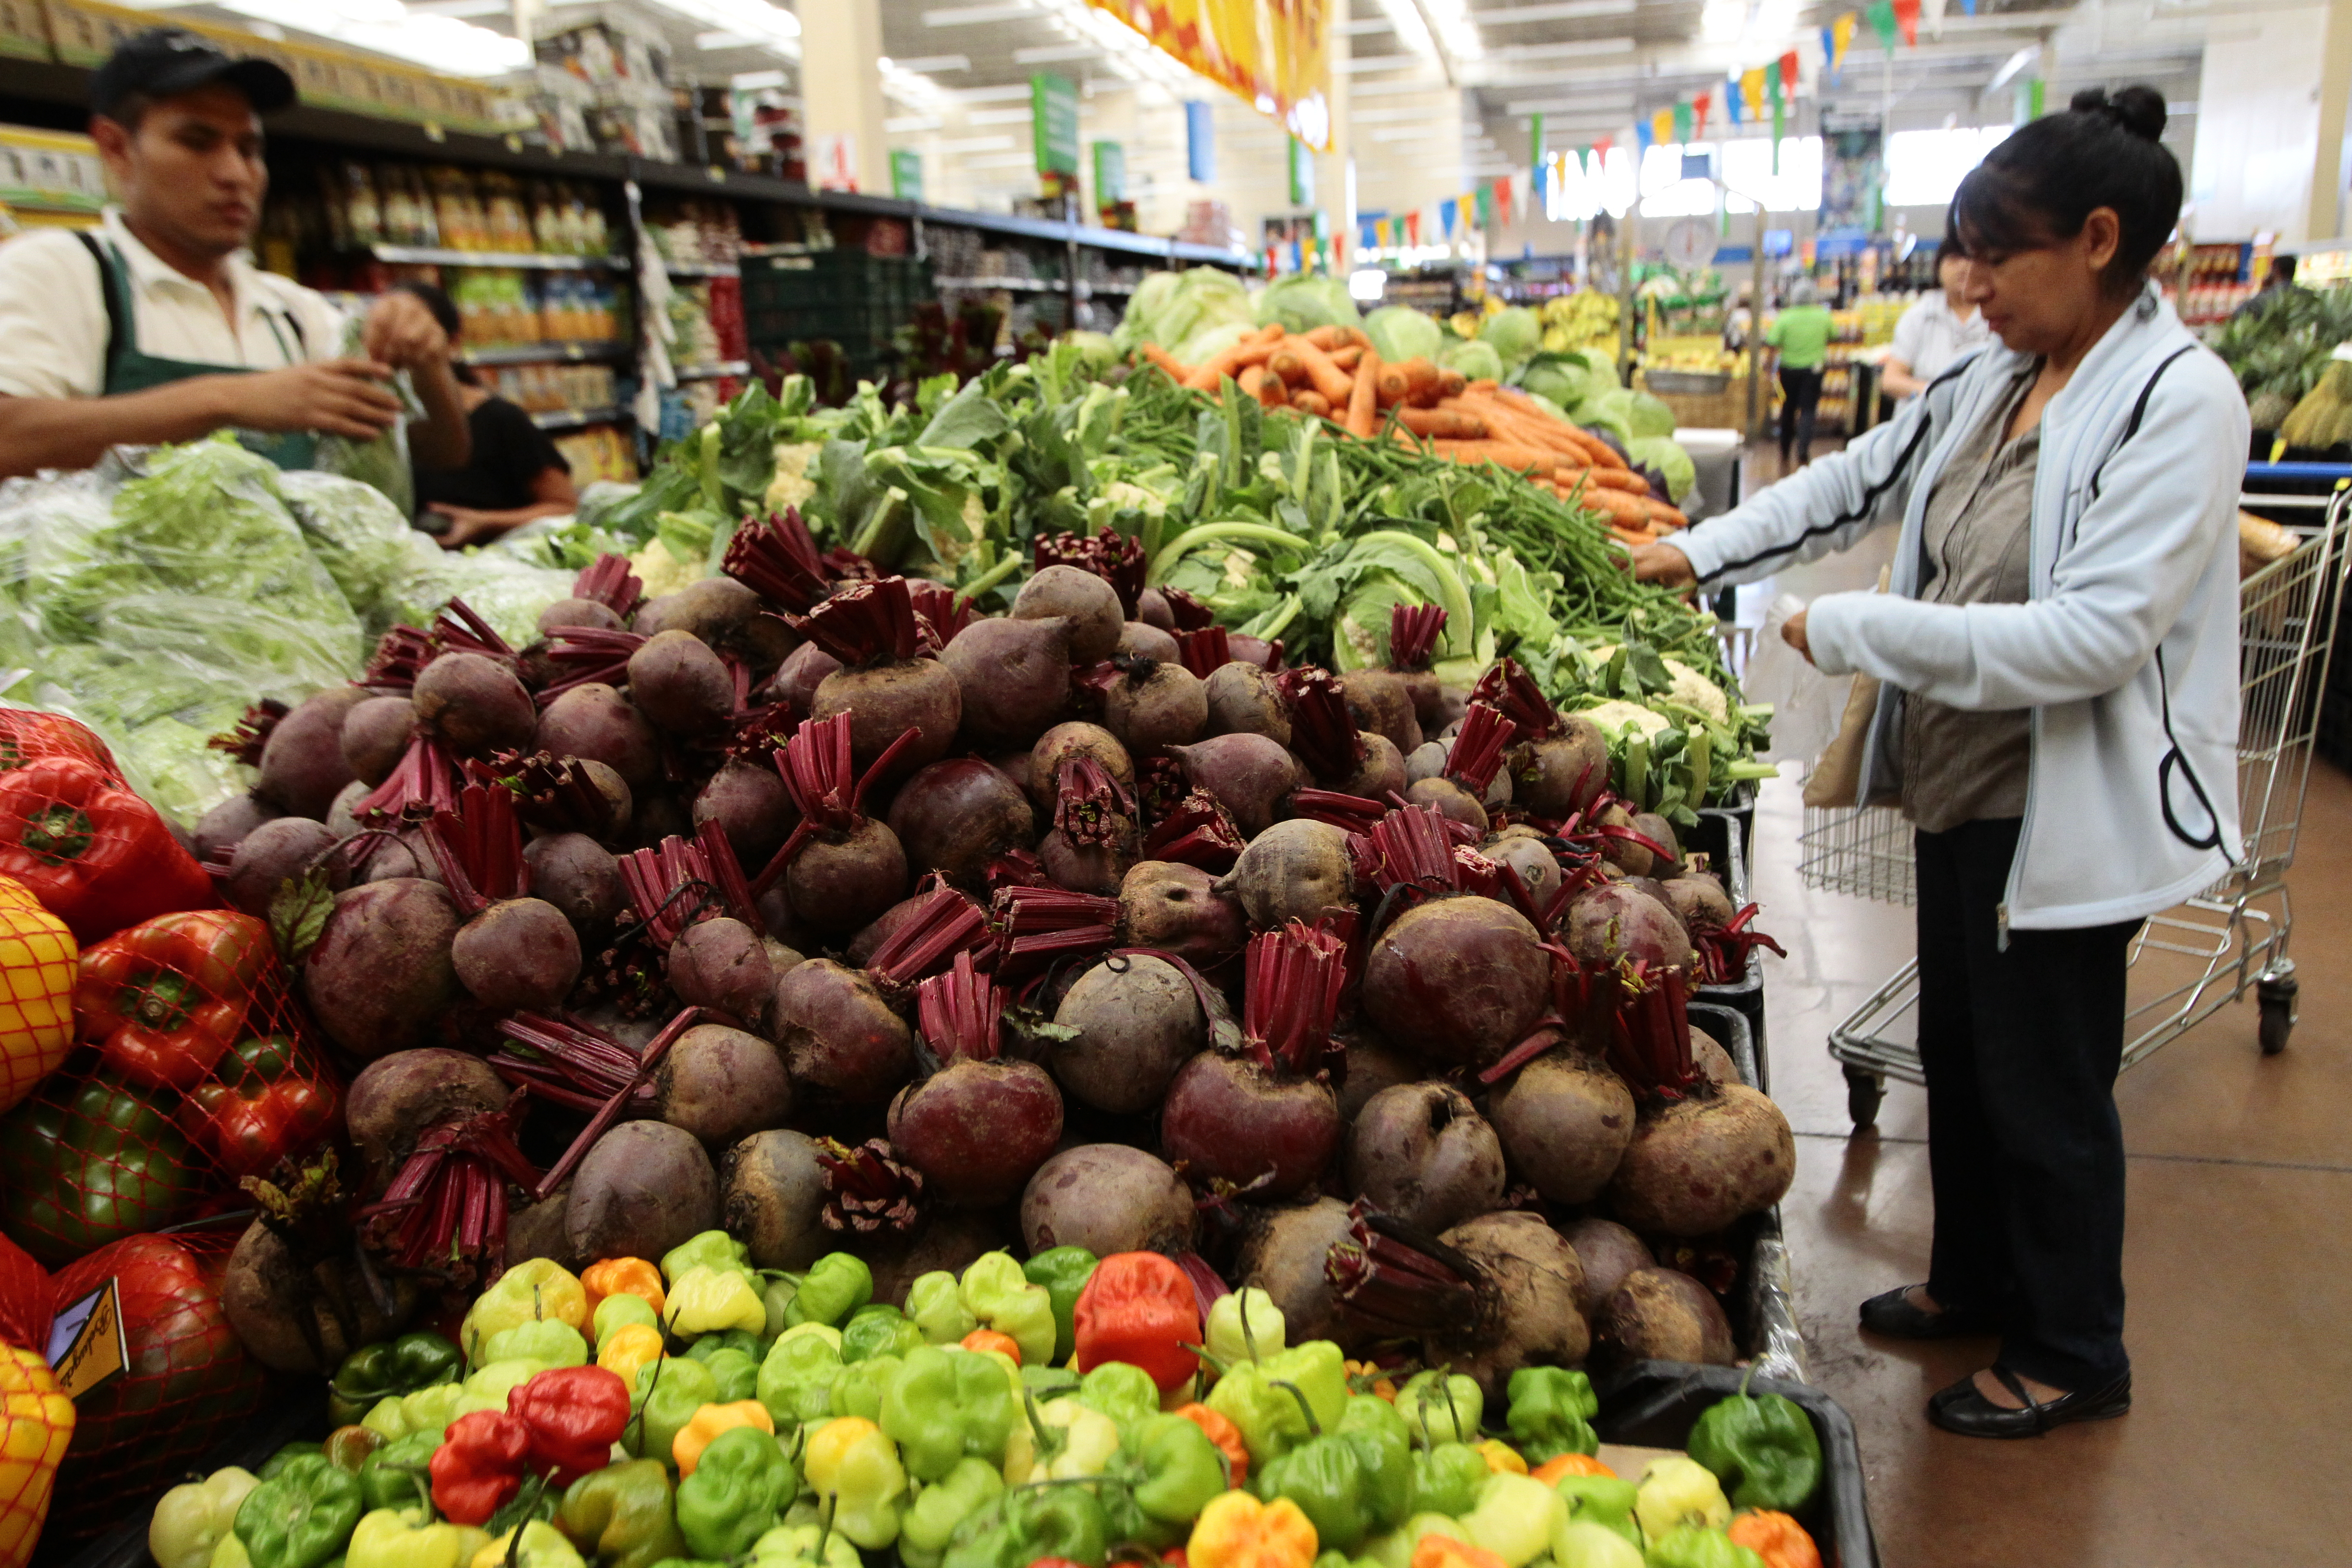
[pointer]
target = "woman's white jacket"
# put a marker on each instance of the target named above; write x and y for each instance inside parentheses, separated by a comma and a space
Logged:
(2127, 650)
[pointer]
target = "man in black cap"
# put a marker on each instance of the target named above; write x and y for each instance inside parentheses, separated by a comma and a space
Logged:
(157, 326)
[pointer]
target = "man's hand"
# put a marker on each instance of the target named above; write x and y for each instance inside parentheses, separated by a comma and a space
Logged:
(401, 332)
(336, 397)
(1793, 632)
(1663, 564)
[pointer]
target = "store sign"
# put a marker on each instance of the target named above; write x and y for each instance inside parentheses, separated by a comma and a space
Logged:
(1054, 124)
(907, 173)
(1199, 141)
(1302, 174)
(1110, 173)
(1275, 54)
(833, 161)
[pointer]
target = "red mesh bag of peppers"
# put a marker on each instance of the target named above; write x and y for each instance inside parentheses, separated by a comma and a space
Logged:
(197, 1066)
(95, 854)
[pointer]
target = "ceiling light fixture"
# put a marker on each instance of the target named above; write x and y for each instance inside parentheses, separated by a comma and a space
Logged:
(389, 27)
(768, 26)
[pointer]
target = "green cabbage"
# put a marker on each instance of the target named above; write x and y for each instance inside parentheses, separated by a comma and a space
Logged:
(1648, 414)
(1477, 361)
(1303, 303)
(1095, 351)
(1516, 334)
(1399, 333)
(1661, 453)
(1569, 378)
(1181, 311)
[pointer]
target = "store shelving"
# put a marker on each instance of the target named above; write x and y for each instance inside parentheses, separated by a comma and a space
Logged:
(537, 354)
(721, 367)
(702, 270)
(574, 418)
(1039, 285)
(438, 256)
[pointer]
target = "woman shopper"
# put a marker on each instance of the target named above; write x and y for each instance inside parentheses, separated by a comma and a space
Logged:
(1801, 333)
(515, 474)
(1938, 329)
(2058, 715)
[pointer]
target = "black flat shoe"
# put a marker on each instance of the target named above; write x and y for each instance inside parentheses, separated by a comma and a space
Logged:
(1893, 1315)
(1961, 1409)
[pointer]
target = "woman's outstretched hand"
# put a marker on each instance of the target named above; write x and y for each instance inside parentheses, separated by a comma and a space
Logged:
(1793, 632)
(1663, 564)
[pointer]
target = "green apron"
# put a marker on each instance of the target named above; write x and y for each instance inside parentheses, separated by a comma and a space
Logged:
(128, 370)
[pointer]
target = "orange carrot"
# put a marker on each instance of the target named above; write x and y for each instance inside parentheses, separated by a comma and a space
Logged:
(1395, 383)
(1307, 400)
(1421, 378)
(1453, 424)
(1288, 365)
(1211, 372)
(1326, 377)
(1363, 395)
(1328, 339)
(1257, 380)
(1451, 383)
(1616, 505)
(1518, 458)
(1663, 516)
(1347, 358)
(1175, 367)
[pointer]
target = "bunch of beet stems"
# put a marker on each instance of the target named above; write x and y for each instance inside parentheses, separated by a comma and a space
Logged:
(477, 843)
(1723, 952)
(616, 1105)
(820, 775)
(1395, 1280)
(244, 741)
(608, 581)
(867, 1189)
(567, 1062)
(551, 792)
(957, 1015)
(1322, 731)
(1348, 813)
(1293, 980)
(671, 887)
(776, 558)
(590, 656)
(422, 784)
(450, 1196)
(865, 623)
(1477, 751)
(1413, 631)
(1090, 807)
(1197, 830)
(1109, 555)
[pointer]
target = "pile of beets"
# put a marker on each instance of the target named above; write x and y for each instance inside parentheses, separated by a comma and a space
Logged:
(804, 902)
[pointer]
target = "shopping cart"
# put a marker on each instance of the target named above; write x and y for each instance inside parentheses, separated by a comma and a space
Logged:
(2203, 954)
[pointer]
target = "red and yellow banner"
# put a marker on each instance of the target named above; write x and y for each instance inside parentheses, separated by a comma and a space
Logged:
(1274, 53)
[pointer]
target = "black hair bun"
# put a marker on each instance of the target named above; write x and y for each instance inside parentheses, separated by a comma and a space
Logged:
(2138, 109)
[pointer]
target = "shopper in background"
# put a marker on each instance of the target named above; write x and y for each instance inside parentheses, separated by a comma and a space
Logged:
(1801, 333)
(2058, 716)
(2275, 283)
(515, 474)
(157, 327)
(1936, 330)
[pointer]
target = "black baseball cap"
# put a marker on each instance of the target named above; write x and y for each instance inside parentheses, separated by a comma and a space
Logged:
(164, 61)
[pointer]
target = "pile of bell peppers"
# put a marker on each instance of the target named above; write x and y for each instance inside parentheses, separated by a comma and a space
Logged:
(698, 1410)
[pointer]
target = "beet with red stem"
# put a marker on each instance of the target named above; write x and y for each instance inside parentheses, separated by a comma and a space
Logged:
(1198, 831)
(1563, 763)
(1457, 980)
(840, 867)
(842, 1030)
(608, 581)
(1563, 1117)
(474, 704)
(244, 741)
(957, 816)
(681, 685)
(1205, 650)
(1298, 870)
(448, 1208)
(1064, 742)
(1422, 1152)
(1133, 1021)
(1150, 706)
(376, 734)
(1093, 840)
(776, 558)
(1089, 603)
(1140, 639)
(1413, 631)
(797, 678)
(514, 951)
(1250, 776)
(1109, 555)
(979, 1128)
(1266, 1118)
(594, 722)
(870, 1191)
(885, 684)
(424, 782)
(566, 1062)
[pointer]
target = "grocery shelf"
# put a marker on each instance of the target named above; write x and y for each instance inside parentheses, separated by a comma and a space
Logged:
(540, 354)
(702, 270)
(1041, 285)
(573, 418)
(440, 256)
(705, 371)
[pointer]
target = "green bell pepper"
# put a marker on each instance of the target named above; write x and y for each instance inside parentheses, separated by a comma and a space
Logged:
(1326, 1478)
(1552, 1412)
(731, 1499)
(302, 1516)
(533, 1290)
(427, 1410)
(1063, 1273)
(1172, 1470)
(617, 1311)
(704, 1346)
(411, 1538)
(546, 1341)
(1687, 1547)
(488, 1388)
(1763, 1448)
(710, 1249)
(1269, 1418)
(277, 1462)
(623, 1515)
(1230, 1342)
(737, 1372)
(796, 1379)
(1580, 1543)
(1515, 1518)
(1125, 1394)
(85, 1163)
(1019, 1528)
(776, 1298)
(804, 1546)
(858, 1390)
(668, 1393)
(1000, 1295)
(1447, 1478)
(836, 1286)
(1384, 1446)
(189, 1520)
(1604, 1501)
(398, 1475)
(1044, 1383)
(969, 1486)
(935, 1305)
(944, 1406)
(392, 1366)
(875, 1330)
(1438, 1408)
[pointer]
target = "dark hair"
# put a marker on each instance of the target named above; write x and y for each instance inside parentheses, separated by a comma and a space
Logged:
(437, 302)
(2282, 270)
(2042, 184)
(1949, 249)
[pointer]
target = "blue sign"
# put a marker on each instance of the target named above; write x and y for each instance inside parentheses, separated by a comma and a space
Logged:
(1780, 241)
(1842, 241)
(1729, 254)
(1200, 147)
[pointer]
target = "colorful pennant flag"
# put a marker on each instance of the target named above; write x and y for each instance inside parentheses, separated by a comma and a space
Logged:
(1412, 229)
(1449, 213)
(1682, 121)
(1841, 39)
(1906, 21)
(1731, 101)
(1662, 126)
(1644, 133)
(1789, 71)
(1503, 200)
(1699, 106)
(1751, 87)
(1882, 22)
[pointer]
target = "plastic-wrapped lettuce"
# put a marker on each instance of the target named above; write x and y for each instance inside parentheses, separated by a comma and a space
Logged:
(361, 539)
(381, 464)
(1304, 301)
(1184, 312)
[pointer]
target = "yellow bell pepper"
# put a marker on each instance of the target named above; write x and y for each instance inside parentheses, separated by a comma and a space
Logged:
(855, 1468)
(535, 1289)
(1089, 1440)
(400, 1538)
(704, 1300)
(709, 1421)
(39, 958)
(230, 1553)
(189, 1520)
(1236, 1530)
(543, 1546)
(627, 1349)
(1501, 1457)
(1515, 1518)
(622, 1276)
(1677, 1491)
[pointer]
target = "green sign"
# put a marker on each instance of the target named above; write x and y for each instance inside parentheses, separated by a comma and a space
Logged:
(1302, 174)
(906, 173)
(1110, 173)
(1054, 124)
(1534, 142)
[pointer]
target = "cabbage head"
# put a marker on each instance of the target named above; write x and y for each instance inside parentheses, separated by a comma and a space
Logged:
(1181, 311)
(1569, 377)
(1477, 361)
(1095, 351)
(1516, 334)
(1399, 333)
(1661, 452)
(1648, 414)
(1606, 412)
(1303, 303)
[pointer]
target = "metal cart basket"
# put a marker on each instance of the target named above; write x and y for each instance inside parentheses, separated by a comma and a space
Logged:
(2196, 958)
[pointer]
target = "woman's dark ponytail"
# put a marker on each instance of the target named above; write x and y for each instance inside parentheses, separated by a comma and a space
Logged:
(2038, 187)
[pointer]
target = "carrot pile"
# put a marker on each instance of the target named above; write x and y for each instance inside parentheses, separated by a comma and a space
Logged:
(1334, 374)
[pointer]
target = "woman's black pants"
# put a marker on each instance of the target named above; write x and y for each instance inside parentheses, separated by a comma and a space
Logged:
(2020, 1046)
(1800, 395)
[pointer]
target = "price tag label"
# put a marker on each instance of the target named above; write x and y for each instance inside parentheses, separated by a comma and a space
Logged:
(86, 1347)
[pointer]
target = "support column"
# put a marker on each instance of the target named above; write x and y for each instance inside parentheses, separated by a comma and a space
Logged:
(841, 40)
(2326, 210)
(1335, 180)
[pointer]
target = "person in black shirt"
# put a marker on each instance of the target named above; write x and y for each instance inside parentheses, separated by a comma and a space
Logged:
(515, 474)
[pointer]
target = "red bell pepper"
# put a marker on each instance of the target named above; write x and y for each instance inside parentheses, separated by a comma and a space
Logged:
(1140, 1308)
(26, 735)
(165, 1000)
(479, 1465)
(262, 1108)
(574, 1416)
(96, 855)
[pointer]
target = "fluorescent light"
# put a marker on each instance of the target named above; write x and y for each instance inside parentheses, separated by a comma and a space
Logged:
(752, 81)
(773, 28)
(977, 144)
(909, 124)
(1367, 283)
(1567, 51)
(997, 117)
(970, 15)
(1567, 11)
(909, 87)
(937, 63)
(1004, 94)
(1046, 54)
(1404, 20)
(389, 27)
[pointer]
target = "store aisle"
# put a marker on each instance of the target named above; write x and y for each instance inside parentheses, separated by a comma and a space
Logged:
(2239, 1262)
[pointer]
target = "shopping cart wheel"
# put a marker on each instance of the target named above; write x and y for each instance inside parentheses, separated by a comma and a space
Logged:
(2275, 996)
(1863, 1090)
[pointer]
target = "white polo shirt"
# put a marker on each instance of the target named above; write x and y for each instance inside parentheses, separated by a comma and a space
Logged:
(53, 322)
(1931, 335)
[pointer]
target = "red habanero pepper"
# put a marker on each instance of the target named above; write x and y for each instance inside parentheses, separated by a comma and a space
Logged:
(165, 1000)
(263, 1108)
(574, 1414)
(479, 1465)
(1140, 1308)
(96, 855)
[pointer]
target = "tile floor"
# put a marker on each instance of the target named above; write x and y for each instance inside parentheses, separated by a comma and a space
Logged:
(2239, 1262)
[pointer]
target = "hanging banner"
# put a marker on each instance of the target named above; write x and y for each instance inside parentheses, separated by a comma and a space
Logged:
(1302, 174)
(1487, 206)
(906, 173)
(1882, 22)
(1732, 96)
(1662, 125)
(1200, 142)
(1683, 124)
(1110, 173)
(1054, 124)
(1275, 57)
(1449, 213)
(1699, 106)
(1788, 66)
(1534, 142)
(1906, 21)
(1751, 90)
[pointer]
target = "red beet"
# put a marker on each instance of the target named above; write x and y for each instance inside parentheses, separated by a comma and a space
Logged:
(842, 1030)
(302, 762)
(1137, 1019)
(1297, 870)
(1380, 703)
(1559, 765)
(1458, 981)
(1179, 909)
(1014, 678)
(752, 806)
(1325, 736)
(1249, 774)
(473, 704)
(888, 690)
(1064, 742)
(955, 816)
(797, 678)
(1246, 698)
(979, 1127)
(1564, 1119)
(1090, 605)
(1422, 1152)
(1151, 706)
(1612, 922)
(840, 866)
(595, 722)
(1145, 640)
(1093, 841)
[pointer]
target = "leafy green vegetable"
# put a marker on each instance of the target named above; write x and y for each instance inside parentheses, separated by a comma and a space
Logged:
(1184, 312)
(1476, 360)
(1401, 332)
(1515, 333)
(1304, 301)
(1661, 453)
